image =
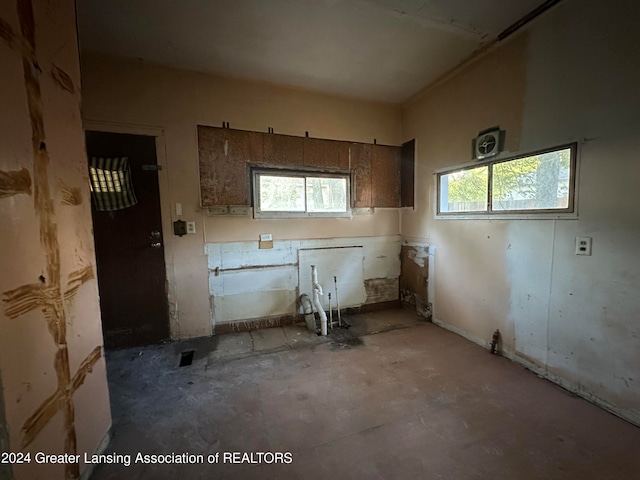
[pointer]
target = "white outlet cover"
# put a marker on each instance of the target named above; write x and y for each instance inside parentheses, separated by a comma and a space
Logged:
(191, 227)
(583, 245)
(266, 237)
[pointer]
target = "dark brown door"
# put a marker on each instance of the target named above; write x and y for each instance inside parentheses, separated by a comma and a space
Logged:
(130, 248)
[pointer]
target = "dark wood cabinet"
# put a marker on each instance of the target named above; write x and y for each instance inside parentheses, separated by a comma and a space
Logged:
(226, 157)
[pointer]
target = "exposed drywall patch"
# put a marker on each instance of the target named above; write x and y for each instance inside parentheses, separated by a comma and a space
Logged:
(15, 182)
(70, 196)
(5, 468)
(381, 289)
(248, 283)
(252, 305)
(414, 277)
(340, 267)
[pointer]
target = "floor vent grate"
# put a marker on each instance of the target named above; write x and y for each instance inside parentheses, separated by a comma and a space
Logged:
(186, 358)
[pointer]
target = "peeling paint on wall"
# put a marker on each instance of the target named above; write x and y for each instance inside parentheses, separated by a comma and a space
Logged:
(414, 279)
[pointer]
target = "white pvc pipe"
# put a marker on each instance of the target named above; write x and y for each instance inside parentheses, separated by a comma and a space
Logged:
(309, 319)
(317, 291)
(335, 282)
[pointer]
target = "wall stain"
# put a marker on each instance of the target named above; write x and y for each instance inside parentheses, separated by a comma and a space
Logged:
(15, 182)
(76, 280)
(381, 289)
(62, 78)
(22, 300)
(6, 32)
(15, 42)
(36, 422)
(70, 196)
(47, 295)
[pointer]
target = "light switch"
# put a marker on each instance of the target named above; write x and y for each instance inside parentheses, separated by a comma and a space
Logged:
(191, 227)
(178, 209)
(583, 245)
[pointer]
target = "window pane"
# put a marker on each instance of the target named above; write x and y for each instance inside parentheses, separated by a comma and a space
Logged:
(281, 194)
(465, 191)
(326, 194)
(538, 182)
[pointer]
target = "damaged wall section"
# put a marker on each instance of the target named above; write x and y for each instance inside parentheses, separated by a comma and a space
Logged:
(415, 263)
(261, 287)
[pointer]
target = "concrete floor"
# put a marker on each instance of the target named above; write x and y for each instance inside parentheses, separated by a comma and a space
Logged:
(413, 402)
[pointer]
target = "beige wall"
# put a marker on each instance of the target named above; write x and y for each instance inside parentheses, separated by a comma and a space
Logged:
(50, 331)
(570, 76)
(122, 95)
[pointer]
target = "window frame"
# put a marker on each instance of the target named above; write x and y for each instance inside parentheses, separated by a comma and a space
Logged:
(489, 213)
(297, 173)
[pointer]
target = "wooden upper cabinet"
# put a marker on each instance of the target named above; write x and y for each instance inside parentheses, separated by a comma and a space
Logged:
(283, 150)
(361, 175)
(407, 174)
(385, 176)
(326, 154)
(224, 156)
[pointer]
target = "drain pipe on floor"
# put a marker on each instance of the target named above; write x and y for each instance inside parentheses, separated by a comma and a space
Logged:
(317, 291)
(309, 319)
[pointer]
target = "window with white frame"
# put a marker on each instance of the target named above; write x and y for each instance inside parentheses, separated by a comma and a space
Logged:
(284, 193)
(540, 182)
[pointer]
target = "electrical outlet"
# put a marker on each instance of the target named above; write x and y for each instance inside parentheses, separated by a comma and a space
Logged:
(583, 245)
(191, 227)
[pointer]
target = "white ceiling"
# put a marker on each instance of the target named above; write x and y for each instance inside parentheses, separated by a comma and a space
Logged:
(384, 50)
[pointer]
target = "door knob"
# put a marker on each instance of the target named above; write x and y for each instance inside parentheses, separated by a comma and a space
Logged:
(156, 244)
(155, 234)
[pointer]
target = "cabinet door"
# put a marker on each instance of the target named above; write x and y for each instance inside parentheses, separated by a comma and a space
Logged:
(326, 154)
(385, 176)
(283, 150)
(361, 174)
(224, 156)
(407, 174)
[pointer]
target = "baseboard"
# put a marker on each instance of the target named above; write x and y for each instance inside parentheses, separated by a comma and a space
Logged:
(282, 320)
(371, 307)
(89, 468)
(257, 323)
(542, 372)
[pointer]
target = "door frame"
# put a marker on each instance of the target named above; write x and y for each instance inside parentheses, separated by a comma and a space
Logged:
(165, 203)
